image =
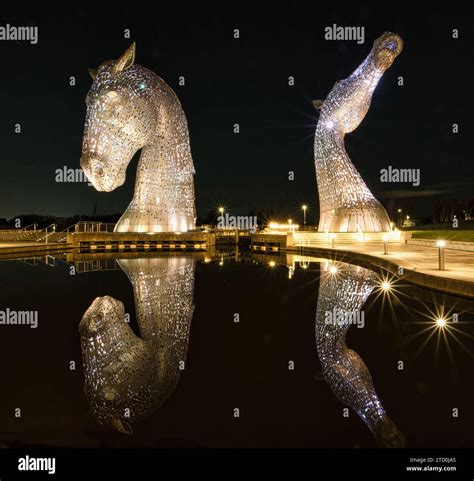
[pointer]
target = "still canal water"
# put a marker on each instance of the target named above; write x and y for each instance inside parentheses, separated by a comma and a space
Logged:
(231, 350)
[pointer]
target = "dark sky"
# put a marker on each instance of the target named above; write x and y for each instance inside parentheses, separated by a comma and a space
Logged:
(241, 81)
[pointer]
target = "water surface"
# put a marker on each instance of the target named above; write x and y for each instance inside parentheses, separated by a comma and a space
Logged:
(178, 371)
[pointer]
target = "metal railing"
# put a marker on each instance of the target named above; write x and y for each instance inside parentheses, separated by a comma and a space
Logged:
(28, 233)
(231, 232)
(79, 227)
(50, 234)
(85, 226)
(30, 227)
(97, 265)
(48, 231)
(61, 236)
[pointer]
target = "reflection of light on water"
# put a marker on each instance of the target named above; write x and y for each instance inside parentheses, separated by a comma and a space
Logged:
(441, 322)
(332, 269)
(386, 285)
(442, 326)
(291, 271)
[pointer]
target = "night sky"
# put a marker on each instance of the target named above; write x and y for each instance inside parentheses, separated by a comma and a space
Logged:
(242, 81)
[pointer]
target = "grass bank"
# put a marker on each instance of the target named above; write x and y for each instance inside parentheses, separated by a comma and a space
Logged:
(452, 235)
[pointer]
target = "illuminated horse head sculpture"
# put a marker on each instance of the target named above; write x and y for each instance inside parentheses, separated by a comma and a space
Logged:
(346, 203)
(131, 108)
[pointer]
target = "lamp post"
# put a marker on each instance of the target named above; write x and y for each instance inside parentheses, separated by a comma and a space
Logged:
(399, 217)
(441, 244)
(221, 211)
(304, 207)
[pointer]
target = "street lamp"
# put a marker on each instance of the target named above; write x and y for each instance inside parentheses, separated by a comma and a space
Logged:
(304, 207)
(221, 212)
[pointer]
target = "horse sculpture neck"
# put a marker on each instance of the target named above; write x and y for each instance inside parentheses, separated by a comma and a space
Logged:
(163, 200)
(346, 203)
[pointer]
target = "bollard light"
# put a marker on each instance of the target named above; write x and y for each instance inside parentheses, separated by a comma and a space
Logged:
(441, 245)
(385, 244)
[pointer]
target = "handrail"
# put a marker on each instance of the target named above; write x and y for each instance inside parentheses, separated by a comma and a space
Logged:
(92, 226)
(35, 225)
(63, 234)
(67, 229)
(46, 228)
(47, 233)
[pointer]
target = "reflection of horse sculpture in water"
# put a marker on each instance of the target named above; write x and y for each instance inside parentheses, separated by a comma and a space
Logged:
(129, 108)
(343, 369)
(346, 203)
(126, 376)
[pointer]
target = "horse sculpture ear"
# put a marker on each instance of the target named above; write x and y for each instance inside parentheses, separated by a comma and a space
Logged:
(93, 73)
(318, 104)
(122, 426)
(126, 60)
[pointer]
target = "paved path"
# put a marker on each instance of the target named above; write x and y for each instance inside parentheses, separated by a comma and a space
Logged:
(458, 264)
(420, 263)
(11, 250)
(6, 245)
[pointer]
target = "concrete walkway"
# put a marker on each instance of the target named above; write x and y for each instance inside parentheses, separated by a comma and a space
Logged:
(420, 263)
(7, 245)
(458, 264)
(12, 250)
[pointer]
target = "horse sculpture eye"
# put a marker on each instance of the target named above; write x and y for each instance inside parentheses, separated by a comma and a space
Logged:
(112, 95)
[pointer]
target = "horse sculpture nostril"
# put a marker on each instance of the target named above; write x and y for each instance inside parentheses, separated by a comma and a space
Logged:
(392, 46)
(98, 168)
(393, 43)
